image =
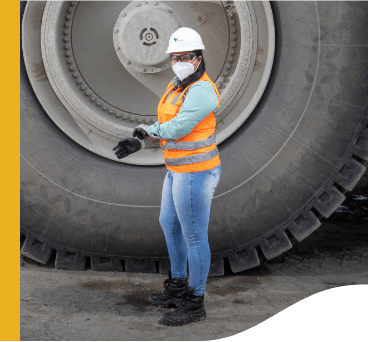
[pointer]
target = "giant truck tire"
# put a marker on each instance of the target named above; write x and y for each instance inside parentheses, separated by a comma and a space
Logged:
(284, 168)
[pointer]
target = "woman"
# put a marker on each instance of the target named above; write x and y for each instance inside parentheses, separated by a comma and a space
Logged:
(185, 127)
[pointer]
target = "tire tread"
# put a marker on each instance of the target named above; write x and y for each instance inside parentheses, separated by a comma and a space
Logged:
(35, 249)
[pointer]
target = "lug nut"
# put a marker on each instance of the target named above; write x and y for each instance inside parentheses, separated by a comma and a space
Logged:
(170, 10)
(117, 30)
(201, 17)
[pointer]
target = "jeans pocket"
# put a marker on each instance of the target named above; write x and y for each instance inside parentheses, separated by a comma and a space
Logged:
(215, 172)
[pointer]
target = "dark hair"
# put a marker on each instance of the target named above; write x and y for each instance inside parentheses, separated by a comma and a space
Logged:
(196, 75)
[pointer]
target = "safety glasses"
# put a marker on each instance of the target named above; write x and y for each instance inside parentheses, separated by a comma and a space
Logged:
(182, 58)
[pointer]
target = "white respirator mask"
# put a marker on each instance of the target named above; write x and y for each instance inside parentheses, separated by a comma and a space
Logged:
(184, 69)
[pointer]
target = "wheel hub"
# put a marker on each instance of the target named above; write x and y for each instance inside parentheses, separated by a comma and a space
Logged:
(141, 34)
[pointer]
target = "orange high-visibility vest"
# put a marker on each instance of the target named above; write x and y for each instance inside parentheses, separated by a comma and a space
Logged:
(197, 151)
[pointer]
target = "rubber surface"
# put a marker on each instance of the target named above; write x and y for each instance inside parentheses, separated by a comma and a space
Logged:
(282, 171)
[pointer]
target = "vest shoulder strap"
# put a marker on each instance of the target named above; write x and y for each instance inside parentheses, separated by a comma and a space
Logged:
(169, 85)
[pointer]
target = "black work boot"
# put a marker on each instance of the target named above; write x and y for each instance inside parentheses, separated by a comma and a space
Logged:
(192, 310)
(172, 295)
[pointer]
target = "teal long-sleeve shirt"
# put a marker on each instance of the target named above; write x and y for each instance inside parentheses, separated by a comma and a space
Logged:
(200, 100)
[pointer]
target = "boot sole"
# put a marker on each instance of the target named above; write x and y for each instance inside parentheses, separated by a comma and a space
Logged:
(201, 317)
(166, 304)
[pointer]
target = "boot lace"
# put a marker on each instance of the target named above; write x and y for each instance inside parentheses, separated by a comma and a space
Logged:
(166, 283)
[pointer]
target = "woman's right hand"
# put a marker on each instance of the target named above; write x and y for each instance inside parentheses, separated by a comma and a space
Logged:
(141, 132)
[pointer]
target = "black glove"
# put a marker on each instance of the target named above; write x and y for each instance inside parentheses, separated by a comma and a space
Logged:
(141, 132)
(127, 146)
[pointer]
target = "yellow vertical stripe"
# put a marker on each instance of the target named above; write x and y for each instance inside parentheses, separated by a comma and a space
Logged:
(10, 72)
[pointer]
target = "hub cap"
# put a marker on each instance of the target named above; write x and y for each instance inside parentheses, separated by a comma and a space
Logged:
(141, 34)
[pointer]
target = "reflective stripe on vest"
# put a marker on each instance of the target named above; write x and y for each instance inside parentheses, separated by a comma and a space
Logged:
(197, 158)
(169, 94)
(189, 145)
(175, 99)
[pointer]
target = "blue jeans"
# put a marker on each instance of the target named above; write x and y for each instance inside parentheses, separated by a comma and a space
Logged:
(184, 217)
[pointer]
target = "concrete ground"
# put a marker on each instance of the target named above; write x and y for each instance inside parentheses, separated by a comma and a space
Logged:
(69, 305)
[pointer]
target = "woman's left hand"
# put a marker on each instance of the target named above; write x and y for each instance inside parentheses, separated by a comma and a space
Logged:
(127, 146)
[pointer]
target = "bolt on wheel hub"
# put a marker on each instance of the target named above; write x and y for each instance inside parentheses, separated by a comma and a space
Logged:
(141, 34)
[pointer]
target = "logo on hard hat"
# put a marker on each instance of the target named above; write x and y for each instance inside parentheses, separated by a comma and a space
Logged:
(177, 40)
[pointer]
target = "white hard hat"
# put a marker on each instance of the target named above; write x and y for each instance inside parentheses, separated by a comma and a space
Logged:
(185, 39)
